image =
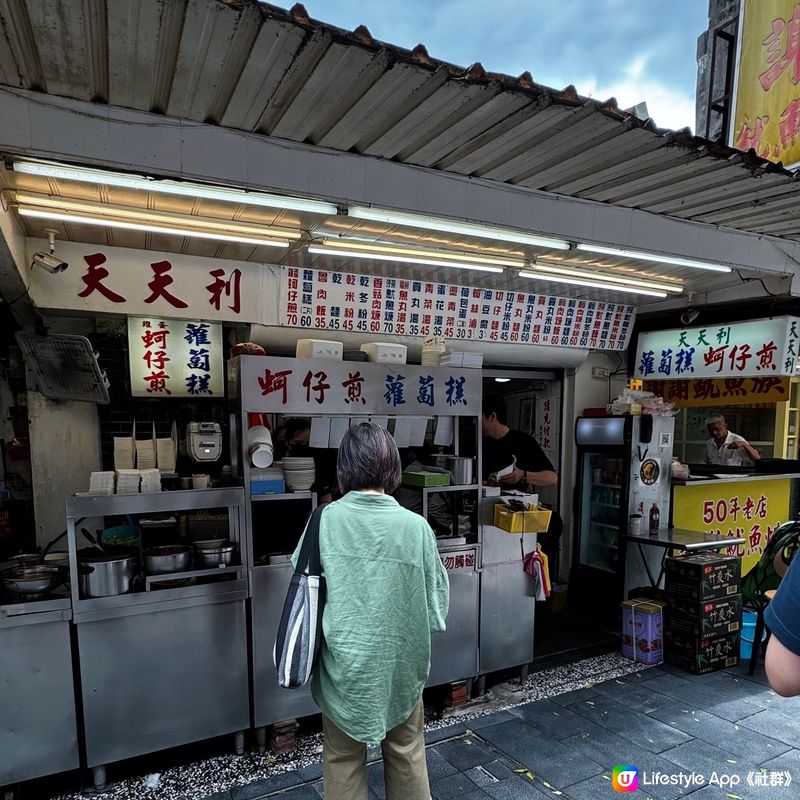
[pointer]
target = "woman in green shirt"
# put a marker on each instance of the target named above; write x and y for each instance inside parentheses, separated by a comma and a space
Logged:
(386, 591)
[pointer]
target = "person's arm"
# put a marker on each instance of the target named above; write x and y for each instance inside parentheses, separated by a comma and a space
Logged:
(532, 466)
(437, 584)
(782, 617)
(740, 441)
(783, 668)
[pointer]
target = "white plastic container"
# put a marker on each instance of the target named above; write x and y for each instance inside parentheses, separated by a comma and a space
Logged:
(385, 353)
(319, 348)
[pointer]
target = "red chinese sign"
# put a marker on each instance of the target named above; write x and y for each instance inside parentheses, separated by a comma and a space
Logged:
(170, 357)
(767, 113)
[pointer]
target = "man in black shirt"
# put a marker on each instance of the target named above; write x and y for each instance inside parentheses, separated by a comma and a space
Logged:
(501, 445)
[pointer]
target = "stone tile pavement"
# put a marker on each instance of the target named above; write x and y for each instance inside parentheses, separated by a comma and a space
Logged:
(720, 727)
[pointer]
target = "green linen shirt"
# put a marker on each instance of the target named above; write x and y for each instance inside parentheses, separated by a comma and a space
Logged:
(386, 591)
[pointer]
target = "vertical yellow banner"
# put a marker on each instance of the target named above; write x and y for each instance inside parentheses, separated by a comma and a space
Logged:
(767, 113)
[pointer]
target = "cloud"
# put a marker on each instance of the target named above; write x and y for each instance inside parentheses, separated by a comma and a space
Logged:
(640, 50)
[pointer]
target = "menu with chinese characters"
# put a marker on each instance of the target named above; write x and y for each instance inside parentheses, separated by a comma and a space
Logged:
(758, 348)
(361, 390)
(175, 358)
(339, 301)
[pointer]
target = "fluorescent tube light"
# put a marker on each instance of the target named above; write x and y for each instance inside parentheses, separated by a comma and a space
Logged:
(337, 252)
(139, 226)
(151, 217)
(379, 248)
(184, 188)
(537, 276)
(604, 276)
(502, 380)
(678, 262)
(451, 226)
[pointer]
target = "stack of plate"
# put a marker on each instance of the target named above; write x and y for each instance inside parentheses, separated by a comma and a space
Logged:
(128, 481)
(123, 452)
(299, 473)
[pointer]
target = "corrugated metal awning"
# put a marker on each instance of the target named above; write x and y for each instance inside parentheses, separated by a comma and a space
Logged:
(254, 67)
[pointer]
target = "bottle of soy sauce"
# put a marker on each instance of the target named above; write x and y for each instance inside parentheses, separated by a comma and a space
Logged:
(655, 519)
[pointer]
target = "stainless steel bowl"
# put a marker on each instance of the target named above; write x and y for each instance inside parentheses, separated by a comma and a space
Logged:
(167, 559)
(32, 580)
(213, 553)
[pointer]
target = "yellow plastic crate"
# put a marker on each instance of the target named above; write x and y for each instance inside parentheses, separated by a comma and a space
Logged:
(536, 520)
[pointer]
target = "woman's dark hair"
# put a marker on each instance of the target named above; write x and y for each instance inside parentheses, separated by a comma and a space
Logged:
(368, 459)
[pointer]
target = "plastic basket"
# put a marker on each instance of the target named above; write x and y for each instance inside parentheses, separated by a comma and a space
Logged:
(535, 520)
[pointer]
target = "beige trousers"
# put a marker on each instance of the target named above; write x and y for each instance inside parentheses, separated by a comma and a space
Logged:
(344, 762)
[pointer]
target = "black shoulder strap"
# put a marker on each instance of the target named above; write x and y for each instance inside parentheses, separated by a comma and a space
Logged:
(309, 557)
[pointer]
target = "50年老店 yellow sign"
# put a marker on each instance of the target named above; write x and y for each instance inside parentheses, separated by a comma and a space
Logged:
(751, 510)
(767, 111)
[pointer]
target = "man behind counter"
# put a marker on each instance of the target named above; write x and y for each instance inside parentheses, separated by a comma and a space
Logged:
(727, 448)
(501, 445)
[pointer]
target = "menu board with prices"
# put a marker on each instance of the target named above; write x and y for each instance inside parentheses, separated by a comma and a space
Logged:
(175, 358)
(338, 301)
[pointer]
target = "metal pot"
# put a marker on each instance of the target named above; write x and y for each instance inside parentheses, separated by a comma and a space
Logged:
(462, 469)
(108, 573)
(32, 580)
(214, 553)
(167, 559)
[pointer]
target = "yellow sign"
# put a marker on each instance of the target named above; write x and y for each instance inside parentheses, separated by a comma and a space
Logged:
(722, 391)
(767, 112)
(751, 510)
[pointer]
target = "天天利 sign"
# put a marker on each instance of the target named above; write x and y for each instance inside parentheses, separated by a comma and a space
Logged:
(175, 358)
(757, 348)
(339, 301)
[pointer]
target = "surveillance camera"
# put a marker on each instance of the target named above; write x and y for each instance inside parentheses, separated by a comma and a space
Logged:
(49, 262)
(689, 316)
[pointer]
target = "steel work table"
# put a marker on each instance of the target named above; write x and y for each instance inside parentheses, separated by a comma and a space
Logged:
(674, 540)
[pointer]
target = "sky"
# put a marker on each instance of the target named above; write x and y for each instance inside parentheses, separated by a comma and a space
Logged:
(634, 50)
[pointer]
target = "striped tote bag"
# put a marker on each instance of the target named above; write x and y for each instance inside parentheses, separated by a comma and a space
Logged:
(300, 630)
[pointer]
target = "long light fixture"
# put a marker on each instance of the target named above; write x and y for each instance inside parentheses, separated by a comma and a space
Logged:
(451, 226)
(537, 276)
(183, 188)
(151, 217)
(623, 280)
(410, 255)
(109, 222)
(659, 259)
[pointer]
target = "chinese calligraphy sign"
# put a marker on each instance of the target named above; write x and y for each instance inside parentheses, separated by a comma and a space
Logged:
(765, 348)
(270, 384)
(767, 112)
(175, 358)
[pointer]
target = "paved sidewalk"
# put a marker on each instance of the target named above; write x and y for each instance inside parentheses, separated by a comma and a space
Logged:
(659, 720)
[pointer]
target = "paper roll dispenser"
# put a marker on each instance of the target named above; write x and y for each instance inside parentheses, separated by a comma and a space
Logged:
(204, 441)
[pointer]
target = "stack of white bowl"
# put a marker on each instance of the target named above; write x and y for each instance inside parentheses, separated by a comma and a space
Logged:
(299, 473)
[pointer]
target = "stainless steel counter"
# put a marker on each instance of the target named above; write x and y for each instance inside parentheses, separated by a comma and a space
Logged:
(38, 726)
(162, 667)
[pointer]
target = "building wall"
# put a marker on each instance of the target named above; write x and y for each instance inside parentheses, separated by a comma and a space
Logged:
(723, 15)
(65, 447)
